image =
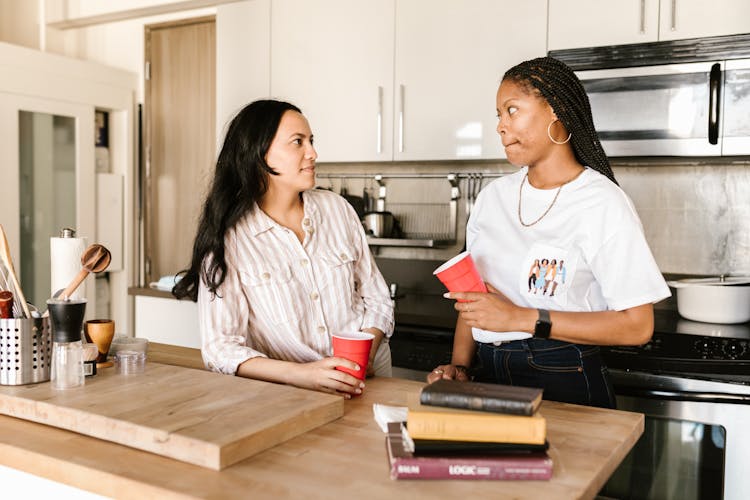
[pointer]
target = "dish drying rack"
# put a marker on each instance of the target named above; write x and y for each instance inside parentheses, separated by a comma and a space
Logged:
(423, 225)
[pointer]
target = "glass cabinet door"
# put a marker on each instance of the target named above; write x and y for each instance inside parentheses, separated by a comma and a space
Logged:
(48, 183)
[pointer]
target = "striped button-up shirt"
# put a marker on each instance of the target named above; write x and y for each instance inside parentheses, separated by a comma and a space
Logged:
(284, 299)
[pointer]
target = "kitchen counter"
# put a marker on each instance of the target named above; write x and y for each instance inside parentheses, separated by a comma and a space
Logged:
(343, 458)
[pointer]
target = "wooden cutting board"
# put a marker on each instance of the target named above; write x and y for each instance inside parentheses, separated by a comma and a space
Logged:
(195, 416)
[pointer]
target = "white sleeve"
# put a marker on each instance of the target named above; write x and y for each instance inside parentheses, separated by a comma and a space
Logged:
(370, 283)
(223, 320)
(624, 266)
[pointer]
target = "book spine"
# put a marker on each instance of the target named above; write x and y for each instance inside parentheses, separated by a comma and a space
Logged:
(489, 428)
(441, 468)
(477, 403)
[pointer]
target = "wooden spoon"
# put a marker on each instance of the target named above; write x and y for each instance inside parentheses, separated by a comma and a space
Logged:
(8, 261)
(95, 259)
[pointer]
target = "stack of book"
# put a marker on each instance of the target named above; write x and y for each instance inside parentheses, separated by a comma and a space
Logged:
(470, 430)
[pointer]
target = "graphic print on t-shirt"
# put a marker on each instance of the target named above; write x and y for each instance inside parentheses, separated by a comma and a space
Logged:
(546, 273)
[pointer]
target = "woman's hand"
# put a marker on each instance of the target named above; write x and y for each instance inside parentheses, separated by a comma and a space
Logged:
(448, 372)
(490, 311)
(323, 376)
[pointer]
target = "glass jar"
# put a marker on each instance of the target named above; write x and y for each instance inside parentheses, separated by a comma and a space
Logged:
(67, 365)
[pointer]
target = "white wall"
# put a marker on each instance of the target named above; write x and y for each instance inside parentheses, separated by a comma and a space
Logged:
(19, 22)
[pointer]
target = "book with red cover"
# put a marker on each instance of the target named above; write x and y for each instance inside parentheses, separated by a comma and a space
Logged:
(513, 466)
(497, 398)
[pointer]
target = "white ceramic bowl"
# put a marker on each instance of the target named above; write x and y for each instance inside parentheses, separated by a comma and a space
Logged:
(714, 300)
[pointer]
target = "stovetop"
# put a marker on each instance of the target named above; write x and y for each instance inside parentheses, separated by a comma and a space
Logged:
(687, 347)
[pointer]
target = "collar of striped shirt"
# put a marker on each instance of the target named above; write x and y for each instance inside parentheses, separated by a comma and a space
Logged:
(259, 222)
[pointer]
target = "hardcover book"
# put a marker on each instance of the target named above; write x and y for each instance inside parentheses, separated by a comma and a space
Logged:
(425, 447)
(466, 425)
(404, 464)
(497, 398)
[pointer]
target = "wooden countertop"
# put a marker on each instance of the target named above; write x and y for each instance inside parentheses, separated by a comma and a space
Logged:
(343, 458)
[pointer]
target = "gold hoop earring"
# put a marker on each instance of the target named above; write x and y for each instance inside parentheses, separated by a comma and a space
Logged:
(549, 134)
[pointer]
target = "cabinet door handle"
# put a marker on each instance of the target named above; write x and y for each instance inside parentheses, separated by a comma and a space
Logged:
(674, 15)
(379, 139)
(401, 120)
(643, 17)
(714, 103)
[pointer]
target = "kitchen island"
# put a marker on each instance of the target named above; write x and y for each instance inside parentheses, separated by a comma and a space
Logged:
(345, 457)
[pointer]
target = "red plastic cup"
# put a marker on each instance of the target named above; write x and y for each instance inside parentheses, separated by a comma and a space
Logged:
(460, 275)
(354, 346)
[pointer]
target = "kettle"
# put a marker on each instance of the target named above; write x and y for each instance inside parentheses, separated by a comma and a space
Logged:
(379, 224)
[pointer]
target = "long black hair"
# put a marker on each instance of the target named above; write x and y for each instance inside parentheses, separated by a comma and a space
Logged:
(240, 180)
(561, 88)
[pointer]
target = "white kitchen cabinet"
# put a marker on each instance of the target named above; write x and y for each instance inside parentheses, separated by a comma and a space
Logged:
(450, 58)
(334, 59)
(591, 23)
(401, 79)
(697, 18)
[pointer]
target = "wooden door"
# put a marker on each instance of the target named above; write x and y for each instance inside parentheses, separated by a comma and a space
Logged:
(180, 137)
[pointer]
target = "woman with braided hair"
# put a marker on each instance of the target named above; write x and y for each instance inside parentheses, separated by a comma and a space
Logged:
(563, 203)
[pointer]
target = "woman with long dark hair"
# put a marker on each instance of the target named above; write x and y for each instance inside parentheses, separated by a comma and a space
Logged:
(277, 266)
(563, 203)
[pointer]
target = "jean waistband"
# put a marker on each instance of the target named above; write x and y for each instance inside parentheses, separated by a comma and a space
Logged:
(535, 343)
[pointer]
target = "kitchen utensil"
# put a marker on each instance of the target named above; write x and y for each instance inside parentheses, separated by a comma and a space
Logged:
(95, 259)
(27, 359)
(11, 273)
(379, 224)
(6, 304)
(714, 300)
(357, 202)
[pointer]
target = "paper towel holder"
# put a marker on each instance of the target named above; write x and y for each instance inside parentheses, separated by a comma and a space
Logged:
(67, 232)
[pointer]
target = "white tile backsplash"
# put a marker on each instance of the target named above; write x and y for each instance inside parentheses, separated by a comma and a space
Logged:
(696, 214)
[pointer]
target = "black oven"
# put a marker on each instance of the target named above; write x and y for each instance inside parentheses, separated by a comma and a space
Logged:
(692, 381)
(425, 320)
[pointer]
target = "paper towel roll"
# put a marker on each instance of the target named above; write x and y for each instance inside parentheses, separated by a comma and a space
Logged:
(65, 257)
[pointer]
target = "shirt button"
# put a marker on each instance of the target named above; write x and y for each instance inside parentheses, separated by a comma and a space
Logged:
(266, 276)
(321, 329)
(306, 222)
(314, 295)
(310, 230)
(343, 256)
(304, 262)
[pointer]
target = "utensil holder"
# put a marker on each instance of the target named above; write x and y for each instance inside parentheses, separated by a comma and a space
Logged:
(25, 351)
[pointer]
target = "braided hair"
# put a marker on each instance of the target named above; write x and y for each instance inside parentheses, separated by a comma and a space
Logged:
(563, 91)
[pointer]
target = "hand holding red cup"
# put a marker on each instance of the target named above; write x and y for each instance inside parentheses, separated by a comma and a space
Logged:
(459, 274)
(354, 346)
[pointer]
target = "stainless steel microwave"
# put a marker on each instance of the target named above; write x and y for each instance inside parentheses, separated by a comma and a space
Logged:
(679, 98)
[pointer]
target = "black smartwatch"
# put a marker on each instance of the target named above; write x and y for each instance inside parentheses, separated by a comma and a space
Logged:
(543, 325)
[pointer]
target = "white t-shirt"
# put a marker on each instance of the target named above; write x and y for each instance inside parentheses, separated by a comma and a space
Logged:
(588, 253)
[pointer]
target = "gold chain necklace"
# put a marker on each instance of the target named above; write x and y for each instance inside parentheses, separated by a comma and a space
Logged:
(520, 191)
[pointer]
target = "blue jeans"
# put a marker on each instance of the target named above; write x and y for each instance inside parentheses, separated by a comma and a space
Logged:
(567, 372)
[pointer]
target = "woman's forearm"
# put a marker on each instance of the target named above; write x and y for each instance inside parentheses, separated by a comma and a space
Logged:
(270, 370)
(464, 346)
(379, 335)
(632, 326)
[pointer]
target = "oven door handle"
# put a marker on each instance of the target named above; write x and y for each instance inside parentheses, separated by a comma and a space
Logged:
(671, 395)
